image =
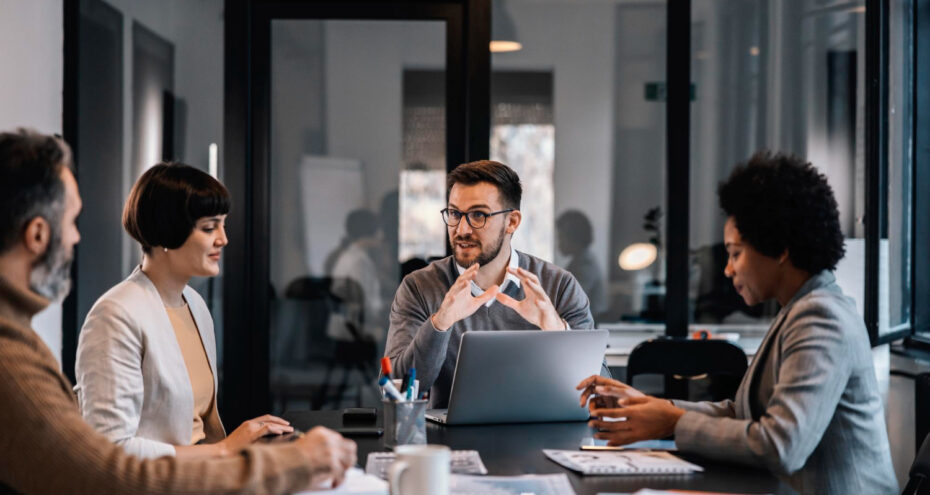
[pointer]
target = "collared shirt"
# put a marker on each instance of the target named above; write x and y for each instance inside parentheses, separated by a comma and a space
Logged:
(508, 278)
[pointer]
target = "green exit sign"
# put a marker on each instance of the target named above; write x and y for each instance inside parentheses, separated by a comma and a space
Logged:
(655, 91)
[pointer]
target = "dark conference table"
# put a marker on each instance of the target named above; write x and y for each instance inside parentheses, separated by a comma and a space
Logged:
(516, 449)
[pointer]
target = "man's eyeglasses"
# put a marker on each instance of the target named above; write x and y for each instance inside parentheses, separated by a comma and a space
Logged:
(476, 219)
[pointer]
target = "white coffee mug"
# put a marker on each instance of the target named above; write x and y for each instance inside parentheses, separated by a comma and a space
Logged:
(420, 470)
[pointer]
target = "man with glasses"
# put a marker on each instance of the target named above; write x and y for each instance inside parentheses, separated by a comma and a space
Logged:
(484, 285)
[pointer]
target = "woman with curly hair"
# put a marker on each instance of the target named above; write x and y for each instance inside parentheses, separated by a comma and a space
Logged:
(808, 408)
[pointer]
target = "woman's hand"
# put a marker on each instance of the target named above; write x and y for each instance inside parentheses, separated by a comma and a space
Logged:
(635, 419)
(604, 392)
(251, 430)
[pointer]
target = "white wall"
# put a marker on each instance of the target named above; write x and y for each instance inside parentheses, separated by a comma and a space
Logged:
(31, 40)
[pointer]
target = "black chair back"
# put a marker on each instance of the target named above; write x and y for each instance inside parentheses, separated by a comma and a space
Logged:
(921, 408)
(685, 359)
(920, 471)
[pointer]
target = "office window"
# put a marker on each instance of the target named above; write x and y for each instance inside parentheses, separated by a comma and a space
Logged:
(895, 254)
(786, 77)
(523, 137)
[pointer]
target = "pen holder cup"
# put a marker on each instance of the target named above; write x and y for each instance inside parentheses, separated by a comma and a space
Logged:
(399, 385)
(404, 423)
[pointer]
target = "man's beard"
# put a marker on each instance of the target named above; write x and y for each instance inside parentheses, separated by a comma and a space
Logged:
(487, 254)
(51, 275)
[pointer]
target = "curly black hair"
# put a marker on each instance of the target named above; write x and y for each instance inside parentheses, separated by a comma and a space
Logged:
(780, 202)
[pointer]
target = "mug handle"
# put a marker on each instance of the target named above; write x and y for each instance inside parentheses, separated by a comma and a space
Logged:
(394, 474)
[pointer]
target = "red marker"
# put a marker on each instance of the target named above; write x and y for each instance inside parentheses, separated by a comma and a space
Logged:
(386, 366)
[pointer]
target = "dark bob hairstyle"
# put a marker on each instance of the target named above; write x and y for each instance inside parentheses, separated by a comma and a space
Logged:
(503, 177)
(166, 202)
(780, 202)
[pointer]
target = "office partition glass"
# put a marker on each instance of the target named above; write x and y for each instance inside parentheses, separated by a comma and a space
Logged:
(358, 161)
(781, 76)
(578, 111)
(895, 245)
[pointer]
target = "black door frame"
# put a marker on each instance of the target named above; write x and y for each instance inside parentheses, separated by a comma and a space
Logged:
(246, 311)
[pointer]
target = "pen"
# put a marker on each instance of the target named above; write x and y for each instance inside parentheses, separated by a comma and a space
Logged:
(389, 389)
(386, 366)
(413, 379)
(403, 383)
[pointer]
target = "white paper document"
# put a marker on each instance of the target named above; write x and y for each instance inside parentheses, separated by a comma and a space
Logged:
(536, 484)
(463, 462)
(650, 491)
(624, 462)
(356, 483)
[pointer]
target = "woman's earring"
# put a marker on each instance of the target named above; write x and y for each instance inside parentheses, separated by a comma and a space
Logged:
(166, 249)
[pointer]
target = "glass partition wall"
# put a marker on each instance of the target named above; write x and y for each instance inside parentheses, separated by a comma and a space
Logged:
(780, 76)
(578, 112)
(358, 160)
(334, 126)
(790, 76)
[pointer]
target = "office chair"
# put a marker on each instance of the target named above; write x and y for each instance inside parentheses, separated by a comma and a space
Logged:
(682, 360)
(920, 471)
(921, 408)
(353, 351)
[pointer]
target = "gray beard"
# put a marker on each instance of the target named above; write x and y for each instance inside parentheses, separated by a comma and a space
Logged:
(51, 276)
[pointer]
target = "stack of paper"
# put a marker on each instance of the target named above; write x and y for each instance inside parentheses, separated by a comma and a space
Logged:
(356, 483)
(649, 491)
(536, 484)
(359, 483)
(463, 462)
(624, 462)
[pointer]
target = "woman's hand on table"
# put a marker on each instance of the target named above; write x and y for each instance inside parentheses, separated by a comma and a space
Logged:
(635, 419)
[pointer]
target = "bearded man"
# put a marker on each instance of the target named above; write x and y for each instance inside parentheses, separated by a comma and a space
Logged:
(485, 285)
(45, 445)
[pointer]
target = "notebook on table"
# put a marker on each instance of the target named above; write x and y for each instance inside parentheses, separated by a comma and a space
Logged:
(626, 462)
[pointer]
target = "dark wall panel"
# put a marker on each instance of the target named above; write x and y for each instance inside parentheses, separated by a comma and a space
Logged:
(99, 150)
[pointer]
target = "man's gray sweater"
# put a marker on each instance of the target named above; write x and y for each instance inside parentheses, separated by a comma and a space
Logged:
(413, 342)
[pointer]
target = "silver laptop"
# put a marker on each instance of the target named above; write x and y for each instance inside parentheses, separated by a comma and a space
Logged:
(521, 376)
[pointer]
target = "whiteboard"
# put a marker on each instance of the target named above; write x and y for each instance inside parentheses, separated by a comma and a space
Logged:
(331, 187)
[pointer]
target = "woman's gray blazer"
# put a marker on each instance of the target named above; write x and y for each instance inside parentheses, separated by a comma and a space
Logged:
(132, 382)
(808, 408)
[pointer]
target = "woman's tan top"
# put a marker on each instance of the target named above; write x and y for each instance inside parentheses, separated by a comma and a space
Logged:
(198, 367)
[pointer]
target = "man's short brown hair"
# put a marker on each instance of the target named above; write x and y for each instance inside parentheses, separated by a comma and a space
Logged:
(503, 177)
(166, 202)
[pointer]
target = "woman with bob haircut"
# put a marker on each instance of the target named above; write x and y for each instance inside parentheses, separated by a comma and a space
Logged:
(146, 358)
(808, 408)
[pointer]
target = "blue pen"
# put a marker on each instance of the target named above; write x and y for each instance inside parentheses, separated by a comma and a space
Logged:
(413, 377)
(389, 389)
